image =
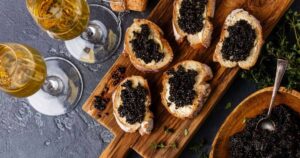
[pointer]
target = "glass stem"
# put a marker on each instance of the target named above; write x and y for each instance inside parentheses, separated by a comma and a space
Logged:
(93, 34)
(53, 85)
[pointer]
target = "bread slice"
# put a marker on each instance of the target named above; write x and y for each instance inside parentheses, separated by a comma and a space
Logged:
(232, 18)
(200, 39)
(201, 87)
(122, 5)
(157, 35)
(146, 125)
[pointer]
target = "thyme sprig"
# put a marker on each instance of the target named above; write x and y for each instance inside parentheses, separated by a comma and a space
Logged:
(162, 145)
(198, 148)
(186, 132)
(168, 130)
(159, 145)
(228, 105)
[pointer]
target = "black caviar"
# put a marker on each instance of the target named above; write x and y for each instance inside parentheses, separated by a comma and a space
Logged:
(100, 102)
(191, 15)
(144, 47)
(238, 44)
(133, 99)
(118, 75)
(182, 86)
(284, 142)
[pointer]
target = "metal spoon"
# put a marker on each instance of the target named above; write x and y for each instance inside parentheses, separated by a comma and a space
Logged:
(266, 123)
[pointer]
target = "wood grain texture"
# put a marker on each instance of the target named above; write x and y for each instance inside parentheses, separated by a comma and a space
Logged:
(122, 5)
(267, 11)
(252, 106)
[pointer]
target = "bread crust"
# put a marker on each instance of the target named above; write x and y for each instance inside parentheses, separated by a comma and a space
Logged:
(144, 127)
(201, 87)
(200, 39)
(122, 5)
(158, 37)
(250, 61)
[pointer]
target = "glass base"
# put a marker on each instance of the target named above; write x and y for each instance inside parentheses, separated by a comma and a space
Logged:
(62, 89)
(101, 39)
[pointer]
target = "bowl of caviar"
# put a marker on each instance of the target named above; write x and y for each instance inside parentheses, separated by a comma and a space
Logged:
(238, 137)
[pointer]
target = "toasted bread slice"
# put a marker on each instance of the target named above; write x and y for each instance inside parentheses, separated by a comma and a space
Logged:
(146, 124)
(199, 39)
(122, 5)
(156, 34)
(234, 17)
(201, 88)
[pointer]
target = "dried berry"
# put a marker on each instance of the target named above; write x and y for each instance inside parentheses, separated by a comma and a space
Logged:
(133, 102)
(144, 47)
(191, 15)
(255, 142)
(182, 86)
(238, 44)
(100, 102)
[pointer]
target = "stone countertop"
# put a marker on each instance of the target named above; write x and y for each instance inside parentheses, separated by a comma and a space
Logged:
(25, 133)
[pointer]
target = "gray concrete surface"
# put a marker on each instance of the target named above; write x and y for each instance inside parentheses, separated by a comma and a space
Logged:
(25, 133)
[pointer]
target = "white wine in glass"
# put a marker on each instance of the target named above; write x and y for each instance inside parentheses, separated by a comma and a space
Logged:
(22, 70)
(92, 33)
(62, 19)
(52, 86)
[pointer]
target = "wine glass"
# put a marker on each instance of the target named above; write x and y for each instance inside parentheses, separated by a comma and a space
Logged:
(92, 33)
(52, 86)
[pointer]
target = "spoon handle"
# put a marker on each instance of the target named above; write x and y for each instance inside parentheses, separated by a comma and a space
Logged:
(280, 70)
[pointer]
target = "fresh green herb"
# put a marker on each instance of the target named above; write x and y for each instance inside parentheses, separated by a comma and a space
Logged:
(283, 43)
(199, 149)
(173, 145)
(162, 145)
(245, 120)
(228, 105)
(203, 155)
(186, 132)
(168, 130)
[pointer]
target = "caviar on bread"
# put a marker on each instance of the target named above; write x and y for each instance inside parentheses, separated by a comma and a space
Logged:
(185, 88)
(148, 50)
(192, 19)
(131, 103)
(240, 42)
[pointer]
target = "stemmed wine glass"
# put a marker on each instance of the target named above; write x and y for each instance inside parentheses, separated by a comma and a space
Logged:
(52, 86)
(92, 33)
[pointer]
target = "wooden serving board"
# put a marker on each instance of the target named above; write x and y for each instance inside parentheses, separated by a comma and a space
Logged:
(267, 11)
